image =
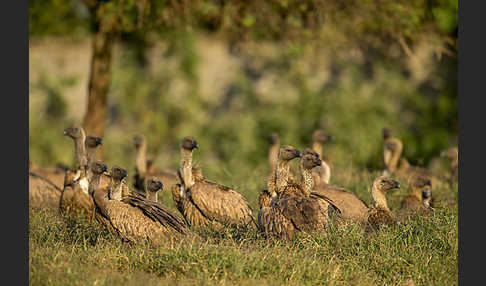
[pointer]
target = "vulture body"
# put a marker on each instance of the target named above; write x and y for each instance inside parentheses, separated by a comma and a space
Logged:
(203, 202)
(136, 219)
(380, 214)
(42, 192)
(54, 175)
(418, 200)
(75, 199)
(349, 204)
(292, 209)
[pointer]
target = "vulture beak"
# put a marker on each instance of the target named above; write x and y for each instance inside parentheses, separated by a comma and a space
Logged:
(297, 153)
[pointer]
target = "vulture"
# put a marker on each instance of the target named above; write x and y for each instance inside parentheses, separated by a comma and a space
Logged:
(145, 168)
(420, 188)
(452, 154)
(45, 193)
(392, 151)
(203, 202)
(320, 137)
(397, 165)
(285, 155)
(77, 133)
(42, 192)
(101, 180)
(321, 173)
(55, 175)
(294, 209)
(281, 175)
(380, 214)
(274, 141)
(75, 198)
(134, 218)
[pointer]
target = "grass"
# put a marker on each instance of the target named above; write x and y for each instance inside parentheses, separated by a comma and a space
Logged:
(66, 251)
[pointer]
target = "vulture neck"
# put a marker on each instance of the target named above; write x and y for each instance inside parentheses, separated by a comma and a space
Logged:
(317, 146)
(80, 152)
(273, 155)
(115, 192)
(94, 183)
(152, 196)
(416, 192)
(326, 174)
(308, 180)
(395, 156)
(100, 198)
(141, 160)
(379, 198)
(186, 167)
(282, 174)
(91, 157)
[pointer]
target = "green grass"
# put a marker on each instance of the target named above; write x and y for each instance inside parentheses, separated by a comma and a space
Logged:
(74, 252)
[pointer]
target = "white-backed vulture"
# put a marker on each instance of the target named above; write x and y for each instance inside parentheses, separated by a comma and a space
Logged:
(282, 171)
(380, 214)
(75, 198)
(77, 133)
(320, 137)
(101, 180)
(452, 154)
(322, 173)
(420, 188)
(75, 194)
(397, 165)
(281, 175)
(42, 192)
(274, 141)
(55, 174)
(136, 219)
(295, 209)
(392, 151)
(145, 168)
(151, 191)
(202, 202)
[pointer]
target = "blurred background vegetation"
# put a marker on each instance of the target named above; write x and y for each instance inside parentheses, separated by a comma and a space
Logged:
(231, 72)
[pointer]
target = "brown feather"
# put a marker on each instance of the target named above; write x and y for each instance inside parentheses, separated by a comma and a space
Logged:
(42, 192)
(54, 175)
(378, 217)
(349, 204)
(136, 219)
(219, 203)
(288, 216)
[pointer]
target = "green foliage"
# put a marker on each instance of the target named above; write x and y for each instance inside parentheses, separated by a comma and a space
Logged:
(58, 17)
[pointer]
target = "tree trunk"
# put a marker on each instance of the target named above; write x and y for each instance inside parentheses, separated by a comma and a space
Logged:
(95, 118)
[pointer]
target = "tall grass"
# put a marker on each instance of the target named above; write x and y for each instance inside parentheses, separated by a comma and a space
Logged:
(66, 251)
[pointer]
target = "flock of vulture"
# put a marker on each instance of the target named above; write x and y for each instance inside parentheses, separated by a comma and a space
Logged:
(295, 201)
